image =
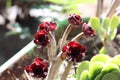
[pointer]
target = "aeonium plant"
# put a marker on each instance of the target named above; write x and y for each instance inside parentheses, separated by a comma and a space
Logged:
(100, 67)
(72, 50)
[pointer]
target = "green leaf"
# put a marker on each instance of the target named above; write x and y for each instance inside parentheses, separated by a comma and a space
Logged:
(116, 73)
(95, 69)
(109, 76)
(113, 27)
(95, 23)
(99, 77)
(100, 57)
(109, 68)
(115, 61)
(112, 34)
(102, 51)
(81, 67)
(114, 23)
(84, 75)
(105, 23)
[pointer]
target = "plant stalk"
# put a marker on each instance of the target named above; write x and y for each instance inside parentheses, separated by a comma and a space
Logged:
(77, 37)
(54, 68)
(65, 35)
(67, 70)
(51, 47)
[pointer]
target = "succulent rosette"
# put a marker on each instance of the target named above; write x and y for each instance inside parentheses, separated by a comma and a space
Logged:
(75, 20)
(100, 67)
(88, 30)
(48, 26)
(38, 68)
(41, 38)
(75, 51)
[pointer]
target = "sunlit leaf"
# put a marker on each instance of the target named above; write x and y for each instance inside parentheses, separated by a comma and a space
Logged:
(109, 68)
(105, 24)
(95, 23)
(112, 34)
(102, 51)
(113, 27)
(115, 61)
(95, 69)
(114, 23)
(101, 57)
(84, 75)
(81, 67)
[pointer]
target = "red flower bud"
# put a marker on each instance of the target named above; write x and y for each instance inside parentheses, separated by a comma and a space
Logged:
(48, 26)
(88, 31)
(41, 38)
(74, 51)
(38, 68)
(75, 20)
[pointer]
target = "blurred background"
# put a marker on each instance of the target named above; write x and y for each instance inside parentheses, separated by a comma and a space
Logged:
(19, 19)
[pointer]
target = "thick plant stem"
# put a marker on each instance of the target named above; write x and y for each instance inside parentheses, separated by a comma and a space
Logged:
(54, 68)
(65, 35)
(67, 70)
(51, 47)
(77, 37)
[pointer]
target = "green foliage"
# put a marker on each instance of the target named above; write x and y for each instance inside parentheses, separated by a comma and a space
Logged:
(102, 50)
(109, 76)
(107, 26)
(84, 75)
(101, 67)
(82, 66)
(95, 23)
(113, 26)
(101, 58)
(106, 29)
(95, 69)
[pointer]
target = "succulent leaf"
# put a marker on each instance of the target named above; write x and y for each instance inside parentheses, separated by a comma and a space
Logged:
(81, 67)
(84, 75)
(109, 76)
(95, 69)
(101, 57)
(100, 67)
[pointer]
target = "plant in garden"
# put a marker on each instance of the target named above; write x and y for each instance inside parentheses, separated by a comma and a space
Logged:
(38, 68)
(106, 29)
(72, 50)
(100, 67)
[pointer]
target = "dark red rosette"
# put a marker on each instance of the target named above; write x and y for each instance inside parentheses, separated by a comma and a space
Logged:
(48, 26)
(88, 31)
(41, 38)
(38, 68)
(74, 50)
(75, 20)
